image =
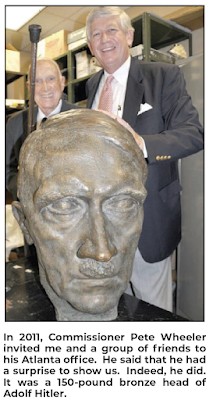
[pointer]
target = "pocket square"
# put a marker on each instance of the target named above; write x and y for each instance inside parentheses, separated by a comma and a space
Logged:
(144, 107)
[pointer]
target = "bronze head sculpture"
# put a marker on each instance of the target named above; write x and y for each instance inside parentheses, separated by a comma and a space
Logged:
(81, 193)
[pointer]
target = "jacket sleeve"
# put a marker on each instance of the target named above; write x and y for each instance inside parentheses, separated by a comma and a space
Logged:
(13, 144)
(182, 133)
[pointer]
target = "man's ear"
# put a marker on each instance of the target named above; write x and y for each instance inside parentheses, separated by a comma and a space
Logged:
(62, 83)
(20, 218)
(90, 47)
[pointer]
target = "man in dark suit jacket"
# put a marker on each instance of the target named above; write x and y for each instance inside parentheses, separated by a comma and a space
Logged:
(153, 99)
(49, 86)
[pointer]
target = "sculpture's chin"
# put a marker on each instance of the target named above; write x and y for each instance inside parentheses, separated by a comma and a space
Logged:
(95, 304)
(99, 296)
(85, 299)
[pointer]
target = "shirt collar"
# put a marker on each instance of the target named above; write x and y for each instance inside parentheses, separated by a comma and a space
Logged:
(121, 74)
(57, 110)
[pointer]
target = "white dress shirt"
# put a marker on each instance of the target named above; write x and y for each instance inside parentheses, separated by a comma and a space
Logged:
(119, 91)
(41, 115)
(118, 86)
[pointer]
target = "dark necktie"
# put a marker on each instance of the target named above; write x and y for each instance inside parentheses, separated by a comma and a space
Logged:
(41, 123)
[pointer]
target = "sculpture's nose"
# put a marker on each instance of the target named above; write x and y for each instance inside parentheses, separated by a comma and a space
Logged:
(97, 244)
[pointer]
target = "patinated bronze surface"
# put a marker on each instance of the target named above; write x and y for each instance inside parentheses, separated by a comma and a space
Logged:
(81, 193)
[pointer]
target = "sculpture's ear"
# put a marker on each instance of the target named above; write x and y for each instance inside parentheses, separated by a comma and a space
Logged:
(20, 218)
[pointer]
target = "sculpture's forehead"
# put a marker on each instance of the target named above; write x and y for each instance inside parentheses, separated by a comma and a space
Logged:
(93, 165)
(91, 151)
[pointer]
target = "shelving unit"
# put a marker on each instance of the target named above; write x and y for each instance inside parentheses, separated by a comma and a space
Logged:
(155, 33)
(76, 86)
(151, 32)
(10, 78)
(64, 65)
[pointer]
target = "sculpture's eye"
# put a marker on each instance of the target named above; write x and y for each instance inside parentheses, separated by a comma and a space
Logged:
(65, 205)
(121, 204)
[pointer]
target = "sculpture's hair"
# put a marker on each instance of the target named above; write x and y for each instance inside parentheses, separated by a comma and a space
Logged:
(63, 131)
(105, 11)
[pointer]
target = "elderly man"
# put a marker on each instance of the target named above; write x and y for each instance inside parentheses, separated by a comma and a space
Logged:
(81, 190)
(49, 86)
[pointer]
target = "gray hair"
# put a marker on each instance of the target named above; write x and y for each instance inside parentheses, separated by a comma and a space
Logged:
(102, 11)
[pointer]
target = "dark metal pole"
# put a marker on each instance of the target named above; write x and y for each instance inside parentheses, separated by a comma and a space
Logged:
(34, 38)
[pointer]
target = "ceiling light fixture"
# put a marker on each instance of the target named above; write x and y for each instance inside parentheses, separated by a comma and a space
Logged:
(17, 16)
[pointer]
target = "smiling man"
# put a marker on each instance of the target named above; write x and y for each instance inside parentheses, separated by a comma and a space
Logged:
(49, 87)
(81, 190)
(152, 98)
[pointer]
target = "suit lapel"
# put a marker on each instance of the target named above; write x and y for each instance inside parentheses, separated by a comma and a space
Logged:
(134, 93)
(93, 85)
(25, 117)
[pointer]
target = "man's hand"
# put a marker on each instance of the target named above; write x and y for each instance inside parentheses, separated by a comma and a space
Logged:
(139, 140)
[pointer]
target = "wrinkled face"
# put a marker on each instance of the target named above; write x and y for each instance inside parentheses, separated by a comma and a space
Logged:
(49, 85)
(108, 43)
(85, 219)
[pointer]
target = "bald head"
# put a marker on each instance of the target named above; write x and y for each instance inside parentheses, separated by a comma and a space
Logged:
(46, 62)
(49, 85)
